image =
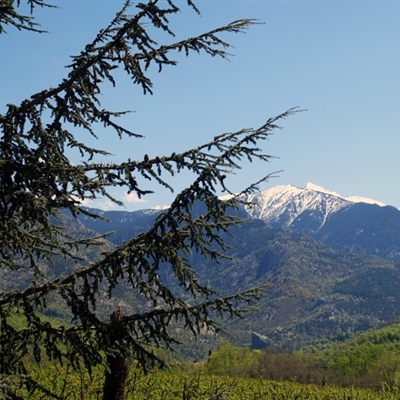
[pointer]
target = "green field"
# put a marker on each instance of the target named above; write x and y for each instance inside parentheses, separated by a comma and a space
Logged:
(195, 385)
(365, 367)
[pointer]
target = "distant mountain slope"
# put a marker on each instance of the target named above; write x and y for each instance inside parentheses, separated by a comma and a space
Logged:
(287, 206)
(124, 225)
(316, 291)
(364, 228)
(353, 224)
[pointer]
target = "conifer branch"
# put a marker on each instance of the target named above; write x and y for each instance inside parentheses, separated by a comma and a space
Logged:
(39, 184)
(10, 16)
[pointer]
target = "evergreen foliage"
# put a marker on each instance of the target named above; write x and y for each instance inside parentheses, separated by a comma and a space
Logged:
(38, 182)
(9, 15)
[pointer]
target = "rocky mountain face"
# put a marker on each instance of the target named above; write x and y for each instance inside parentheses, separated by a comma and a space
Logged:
(288, 207)
(352, 224)
(317, 250)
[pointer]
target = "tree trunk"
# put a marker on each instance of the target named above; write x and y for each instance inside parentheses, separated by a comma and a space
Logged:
(115, 377)
(114, 384)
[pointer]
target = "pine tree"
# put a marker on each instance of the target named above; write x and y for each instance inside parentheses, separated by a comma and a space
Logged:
(38, 183)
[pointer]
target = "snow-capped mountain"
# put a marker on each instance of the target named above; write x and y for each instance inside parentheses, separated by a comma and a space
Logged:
(354, 224)
(351, 224)
(288, 206)
(284, 206)
(313, 245)
(352, 199)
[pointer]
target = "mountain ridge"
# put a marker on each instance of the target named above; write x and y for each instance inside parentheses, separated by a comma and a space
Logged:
(282, 205)
(354, 224)
(270, 204)
(319, 252)
(353, 199)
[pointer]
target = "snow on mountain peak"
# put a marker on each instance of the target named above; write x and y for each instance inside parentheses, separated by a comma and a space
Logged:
(353, 199)
(285, 205)
(317, 188)
(359, 199)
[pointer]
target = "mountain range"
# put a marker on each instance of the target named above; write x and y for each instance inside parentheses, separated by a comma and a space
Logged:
(331, 262)
(353, 224)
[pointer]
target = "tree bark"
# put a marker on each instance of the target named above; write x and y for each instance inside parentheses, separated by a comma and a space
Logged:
(115, 377)
(114, 384)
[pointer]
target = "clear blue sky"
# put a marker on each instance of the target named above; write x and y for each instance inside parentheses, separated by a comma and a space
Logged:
(340, 60)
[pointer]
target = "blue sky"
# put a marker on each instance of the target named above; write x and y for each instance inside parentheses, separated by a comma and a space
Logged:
(340, 60)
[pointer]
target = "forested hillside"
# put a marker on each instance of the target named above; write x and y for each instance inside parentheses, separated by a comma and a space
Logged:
(315, 293)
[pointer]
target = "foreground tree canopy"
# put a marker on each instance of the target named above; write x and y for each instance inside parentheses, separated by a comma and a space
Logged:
(39, 183)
